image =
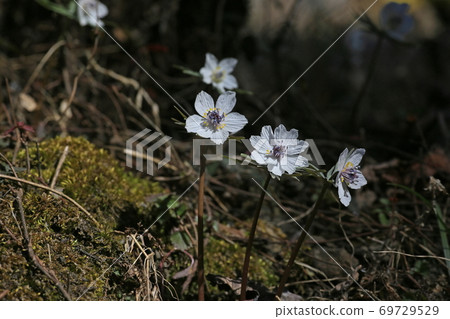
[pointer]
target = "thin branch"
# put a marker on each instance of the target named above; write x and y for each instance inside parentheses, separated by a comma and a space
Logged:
(20, 180)
(41, 64)
(37, 262)
(59, 166)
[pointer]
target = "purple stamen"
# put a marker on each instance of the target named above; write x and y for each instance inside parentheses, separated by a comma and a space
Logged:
(350, 175)
(214, 118)
(278, 151)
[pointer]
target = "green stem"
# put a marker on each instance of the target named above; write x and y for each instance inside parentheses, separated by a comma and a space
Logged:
(443, 233)
(300, 240)
(201, 194)
(251, 237)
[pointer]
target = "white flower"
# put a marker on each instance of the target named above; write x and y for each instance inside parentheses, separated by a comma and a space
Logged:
(90, 12)
(218, 73)
(279, 150)
(395, 20)
(215, 122)
(349, 175)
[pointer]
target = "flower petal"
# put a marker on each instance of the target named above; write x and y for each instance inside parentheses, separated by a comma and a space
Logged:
(206, 73)
(83, 18)
(256, 156)
(205, 132)
(358, 182)
(301, 147)
(230, 82)
(234, 122)
(228, 64)
(267, 133)
(301, 162)
(211, 61)
(260, 144)
(341, 161)
(344, 194)
(219, 136)
(355, 157)
(102, 10)
(280, 132)
(289, 164)
(275, 169)
(226, 102)
(194, 123)
(203, 102)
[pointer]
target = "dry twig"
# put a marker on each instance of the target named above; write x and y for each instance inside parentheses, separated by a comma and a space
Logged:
(20, 180)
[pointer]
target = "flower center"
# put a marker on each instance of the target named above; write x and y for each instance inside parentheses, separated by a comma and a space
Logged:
(278, 151)
(218, 75)
(349, 173)
(215, 119)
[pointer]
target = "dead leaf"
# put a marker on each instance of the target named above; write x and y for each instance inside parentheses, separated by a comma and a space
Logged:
(27, 102)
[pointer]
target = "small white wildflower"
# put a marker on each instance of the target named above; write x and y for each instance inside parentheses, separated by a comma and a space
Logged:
(90, 12)
(219, 73)
(215, 121)
(395, 20)
(349, 175)
(279, 150)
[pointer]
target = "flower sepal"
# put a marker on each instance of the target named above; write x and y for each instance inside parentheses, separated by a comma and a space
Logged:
(311, 170)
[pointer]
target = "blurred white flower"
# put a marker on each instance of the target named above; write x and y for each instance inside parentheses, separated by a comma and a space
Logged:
(90, 12)
(395, 20)
(219, 73)
(279, 150)
(349, 175)
(215, 122)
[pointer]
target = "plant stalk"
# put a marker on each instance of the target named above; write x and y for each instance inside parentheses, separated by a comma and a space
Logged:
(442, 232)
(300, 240)
(200, 250)
(251, 237)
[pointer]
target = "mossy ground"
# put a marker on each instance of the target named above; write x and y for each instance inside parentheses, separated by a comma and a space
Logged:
(63, 238)
(78, 251)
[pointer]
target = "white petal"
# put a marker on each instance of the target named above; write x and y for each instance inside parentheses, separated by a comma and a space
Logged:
(193, 123)
(203, 102)
(230, 82)
(219, 136)
(266, 133)
(256, 156)
(280, 132)
(301, 147)
(292, 134)
(82, 17)
(289, 166)
(301, 162)
(211, 61)
(206, 73)
(356, 156)
(275, 169)
(260, 144)
(270, 160)
(102, 10)
(359, 182)
(228, 64)
(204, 131)
(341, 161)
(226, 102)
(344, 194)
(234, 122)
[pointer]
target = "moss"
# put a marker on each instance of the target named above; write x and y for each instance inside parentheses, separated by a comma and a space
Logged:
(226, 259)
(64, 239)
